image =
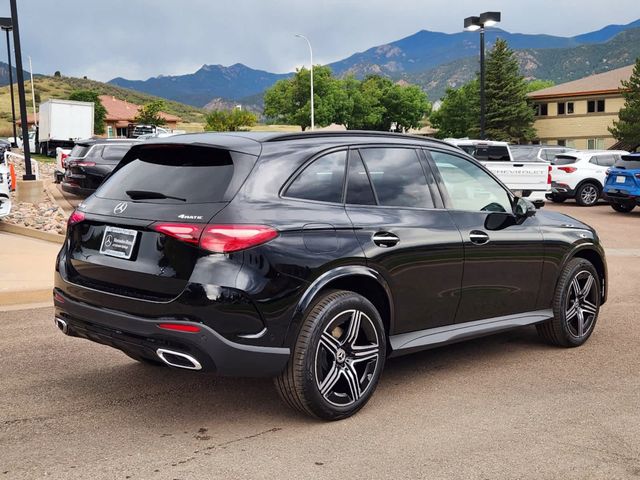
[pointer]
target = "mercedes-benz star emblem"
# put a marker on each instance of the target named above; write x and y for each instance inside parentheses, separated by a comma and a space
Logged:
(121, 207)
(108, 241)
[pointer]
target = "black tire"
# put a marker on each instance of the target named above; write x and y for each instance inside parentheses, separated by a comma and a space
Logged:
(145, 360)
(557, 198)
(587, 194)
(564, 328)
(623, 207)
(316, 361)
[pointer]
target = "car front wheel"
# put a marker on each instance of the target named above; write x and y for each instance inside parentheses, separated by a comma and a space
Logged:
(575, 307)
(338, 357)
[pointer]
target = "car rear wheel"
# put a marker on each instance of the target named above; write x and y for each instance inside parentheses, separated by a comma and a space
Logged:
(587, 194)
(623, 207)
(337, 359)
(575, 307)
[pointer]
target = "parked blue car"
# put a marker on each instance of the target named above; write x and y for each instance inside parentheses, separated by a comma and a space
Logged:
(622, 186)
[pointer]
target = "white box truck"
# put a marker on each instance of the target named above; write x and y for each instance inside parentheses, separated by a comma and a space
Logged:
(62, 122)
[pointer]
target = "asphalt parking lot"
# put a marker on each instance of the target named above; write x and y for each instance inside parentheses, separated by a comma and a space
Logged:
(506, 406)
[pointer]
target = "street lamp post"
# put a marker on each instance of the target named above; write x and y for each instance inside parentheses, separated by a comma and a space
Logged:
(311, 71)
(6, 26)
(472, 24)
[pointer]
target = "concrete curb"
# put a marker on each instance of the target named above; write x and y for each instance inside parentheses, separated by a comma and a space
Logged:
(23, 297)
(30, 232)
(58, 197)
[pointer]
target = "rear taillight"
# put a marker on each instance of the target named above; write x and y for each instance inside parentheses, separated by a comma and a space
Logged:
(76, 217)
(63, 159)
(549, 175)
(86, 164)
(607, 172)
(637, 175)
(567, 169)
(218, 238)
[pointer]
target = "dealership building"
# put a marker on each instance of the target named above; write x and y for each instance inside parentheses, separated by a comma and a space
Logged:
(578, 114)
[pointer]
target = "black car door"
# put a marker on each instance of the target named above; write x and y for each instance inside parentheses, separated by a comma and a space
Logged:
(405, 236)
(503, 268)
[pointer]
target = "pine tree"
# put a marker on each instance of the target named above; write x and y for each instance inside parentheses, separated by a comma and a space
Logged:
(509, 116)
(627, 129)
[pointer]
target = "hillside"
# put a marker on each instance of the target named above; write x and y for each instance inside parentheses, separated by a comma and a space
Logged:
(60, 87)
(426, 55)
(557, 64)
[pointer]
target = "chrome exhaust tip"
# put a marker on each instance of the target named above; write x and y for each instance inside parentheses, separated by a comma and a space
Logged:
(178, 360)
(62, 325)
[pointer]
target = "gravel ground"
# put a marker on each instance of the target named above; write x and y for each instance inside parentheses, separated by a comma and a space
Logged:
(46, 216)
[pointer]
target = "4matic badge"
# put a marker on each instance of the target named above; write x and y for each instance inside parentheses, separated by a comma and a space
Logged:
(190, 217)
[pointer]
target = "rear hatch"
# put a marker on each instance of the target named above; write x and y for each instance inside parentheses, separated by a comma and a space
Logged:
(625, 175)
(116, 244)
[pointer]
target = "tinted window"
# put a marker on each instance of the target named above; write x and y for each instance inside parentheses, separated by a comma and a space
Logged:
(79, 150)
(605, 160)
(469, 187)
(359, 190)
(628, 162)
(397, 177)
(486, 153)
(195, 174)
(115, 152)
(322, 180)
(564, 160)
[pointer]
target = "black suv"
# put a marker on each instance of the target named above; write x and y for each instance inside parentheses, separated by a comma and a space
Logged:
(314, 257)
(90, 162)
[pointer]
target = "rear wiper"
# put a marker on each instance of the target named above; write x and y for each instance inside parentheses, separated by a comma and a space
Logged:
(146, 194)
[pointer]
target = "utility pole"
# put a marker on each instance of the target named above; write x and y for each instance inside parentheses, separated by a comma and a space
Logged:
(6, 26)
(21, 94)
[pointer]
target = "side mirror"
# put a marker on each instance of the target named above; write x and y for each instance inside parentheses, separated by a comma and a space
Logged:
(499, 221)
(524, 209)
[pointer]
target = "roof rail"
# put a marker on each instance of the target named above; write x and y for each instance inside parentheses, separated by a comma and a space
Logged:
(348, 133)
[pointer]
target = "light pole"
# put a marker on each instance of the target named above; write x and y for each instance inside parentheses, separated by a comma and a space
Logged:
(311, 70)
(6, 26)
(471, 24)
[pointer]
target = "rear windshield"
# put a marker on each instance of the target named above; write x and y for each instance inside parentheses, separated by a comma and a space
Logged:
(629, 162)
(79, 150)
(486, 153)
(564, 160)
(181, 173)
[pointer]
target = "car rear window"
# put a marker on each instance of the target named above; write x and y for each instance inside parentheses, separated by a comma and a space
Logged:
(488, 153)
(564, 160)
(192, 173)
(629, 162)
(524, 154)
(79, 150)
(115, 152)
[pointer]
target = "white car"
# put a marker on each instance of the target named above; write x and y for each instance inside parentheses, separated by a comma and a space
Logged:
(528, 179)
(5, 187)
(61, 156)
(581, 175)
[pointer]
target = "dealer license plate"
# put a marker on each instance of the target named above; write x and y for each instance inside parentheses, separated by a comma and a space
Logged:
(118, 242)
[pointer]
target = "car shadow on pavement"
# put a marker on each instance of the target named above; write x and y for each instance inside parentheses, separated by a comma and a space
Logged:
(143, 393)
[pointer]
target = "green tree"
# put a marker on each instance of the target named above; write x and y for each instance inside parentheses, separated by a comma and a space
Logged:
(538, 84)
(150, 114)
(99, 112)
(509, 115)
(459, 113)
(289, 100)
(229, 120)
(627, 128)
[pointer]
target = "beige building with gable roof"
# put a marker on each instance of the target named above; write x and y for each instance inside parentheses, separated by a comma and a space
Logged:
(577, 114)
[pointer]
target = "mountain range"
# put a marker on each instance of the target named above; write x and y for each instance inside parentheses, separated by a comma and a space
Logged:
(433, 60)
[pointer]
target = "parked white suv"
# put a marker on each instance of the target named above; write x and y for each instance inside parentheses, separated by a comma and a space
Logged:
(581, 175)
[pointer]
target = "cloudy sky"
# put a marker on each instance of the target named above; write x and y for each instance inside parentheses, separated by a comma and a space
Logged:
(137, 39)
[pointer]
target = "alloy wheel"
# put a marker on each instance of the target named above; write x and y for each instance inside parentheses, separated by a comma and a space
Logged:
(346, 358)
(589, 194)
(581, 304)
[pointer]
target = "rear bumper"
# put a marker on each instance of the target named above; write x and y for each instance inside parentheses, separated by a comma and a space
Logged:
(561, 190)
(615, 195)
(143, 337)
(75, 189)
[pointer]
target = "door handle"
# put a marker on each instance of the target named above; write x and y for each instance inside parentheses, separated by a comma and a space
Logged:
(385, 239)
(479, 237)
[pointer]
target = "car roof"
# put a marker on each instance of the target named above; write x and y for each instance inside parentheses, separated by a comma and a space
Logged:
(252, 142)
(105, 141)
(469, 141)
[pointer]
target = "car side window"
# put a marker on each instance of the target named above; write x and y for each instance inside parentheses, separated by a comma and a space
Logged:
(321, 181)
(397, 177)
(469, 186)
(359, 190)
(606, 160)
(115, 152)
